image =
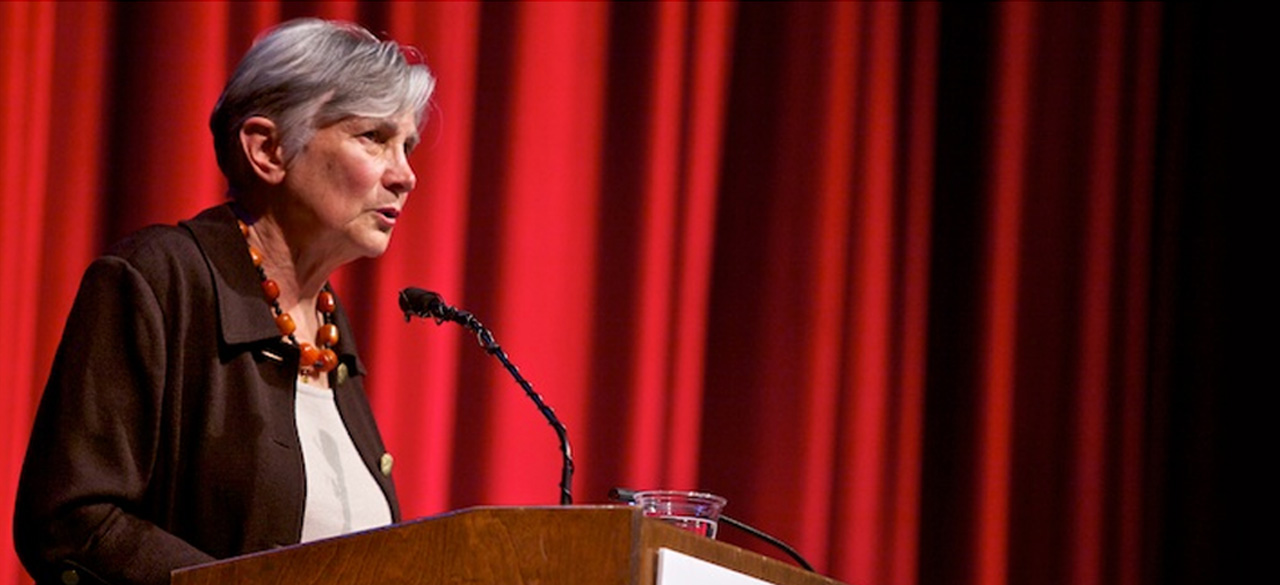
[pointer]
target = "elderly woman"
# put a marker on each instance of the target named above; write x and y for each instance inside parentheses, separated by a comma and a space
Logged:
(206, 399)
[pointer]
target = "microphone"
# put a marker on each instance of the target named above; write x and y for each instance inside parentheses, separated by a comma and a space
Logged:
(416, 302)
(628, 496)
(430, 305)
(423, 303)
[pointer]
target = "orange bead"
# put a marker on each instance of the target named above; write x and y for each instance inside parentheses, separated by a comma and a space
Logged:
(309, 355)
(327, 362)
(327, 335)
(285, 324)
(256, 256)
(244, 228)
(271, 289)
(325, 303)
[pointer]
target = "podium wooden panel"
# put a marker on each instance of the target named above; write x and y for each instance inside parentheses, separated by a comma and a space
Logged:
(590, 545)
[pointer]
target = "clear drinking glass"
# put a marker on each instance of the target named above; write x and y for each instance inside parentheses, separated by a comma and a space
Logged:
(693, 511)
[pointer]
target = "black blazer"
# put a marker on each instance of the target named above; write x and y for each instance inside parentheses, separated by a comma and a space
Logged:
(165, 436)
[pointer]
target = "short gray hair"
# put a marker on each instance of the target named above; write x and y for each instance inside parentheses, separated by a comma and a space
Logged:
(307, 74)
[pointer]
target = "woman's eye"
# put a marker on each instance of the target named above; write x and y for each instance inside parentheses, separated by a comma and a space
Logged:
(372, 135)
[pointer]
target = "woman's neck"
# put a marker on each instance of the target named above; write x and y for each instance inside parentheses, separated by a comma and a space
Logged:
(290, 255)
(300, 278)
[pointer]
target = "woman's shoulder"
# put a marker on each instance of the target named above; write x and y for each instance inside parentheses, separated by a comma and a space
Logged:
(161, 252)
(157, 248)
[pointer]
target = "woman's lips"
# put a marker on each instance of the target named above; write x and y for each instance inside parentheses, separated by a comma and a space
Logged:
(389, 215)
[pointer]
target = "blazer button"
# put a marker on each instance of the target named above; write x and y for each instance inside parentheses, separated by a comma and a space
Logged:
(385, 464)
(342, 374)
(70, 577)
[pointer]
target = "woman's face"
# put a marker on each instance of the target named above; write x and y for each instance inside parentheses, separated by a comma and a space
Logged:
(350, 182)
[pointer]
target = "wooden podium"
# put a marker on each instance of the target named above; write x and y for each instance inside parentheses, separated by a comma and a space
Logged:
(588, 545)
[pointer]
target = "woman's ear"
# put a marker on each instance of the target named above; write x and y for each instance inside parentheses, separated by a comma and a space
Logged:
(260, 140)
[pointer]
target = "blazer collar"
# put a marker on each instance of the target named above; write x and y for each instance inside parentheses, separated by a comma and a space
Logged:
(244, 316)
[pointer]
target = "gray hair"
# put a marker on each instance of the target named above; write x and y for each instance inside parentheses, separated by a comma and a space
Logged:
(307, 74)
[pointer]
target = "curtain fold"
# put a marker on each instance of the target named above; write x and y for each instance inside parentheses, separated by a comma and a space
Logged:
(24, 59)
(900, 280)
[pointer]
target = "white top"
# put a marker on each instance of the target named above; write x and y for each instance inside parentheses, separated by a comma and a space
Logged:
(342, 495)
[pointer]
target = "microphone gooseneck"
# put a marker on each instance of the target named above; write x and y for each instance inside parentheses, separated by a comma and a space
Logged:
(416, 302)
(628, 496)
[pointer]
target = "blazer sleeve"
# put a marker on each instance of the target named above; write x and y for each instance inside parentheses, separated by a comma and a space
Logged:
(82, 496)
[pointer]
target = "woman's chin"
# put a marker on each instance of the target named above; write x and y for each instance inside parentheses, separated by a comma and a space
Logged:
(377, 245)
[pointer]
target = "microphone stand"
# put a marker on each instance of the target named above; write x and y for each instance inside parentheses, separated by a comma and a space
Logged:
(441, 313)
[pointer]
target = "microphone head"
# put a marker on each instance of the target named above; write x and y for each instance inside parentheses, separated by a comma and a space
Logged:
(420, 302)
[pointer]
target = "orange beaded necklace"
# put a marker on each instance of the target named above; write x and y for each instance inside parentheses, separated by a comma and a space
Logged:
(314, 360)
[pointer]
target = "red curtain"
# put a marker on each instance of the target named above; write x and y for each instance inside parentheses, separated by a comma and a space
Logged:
(896, 279)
